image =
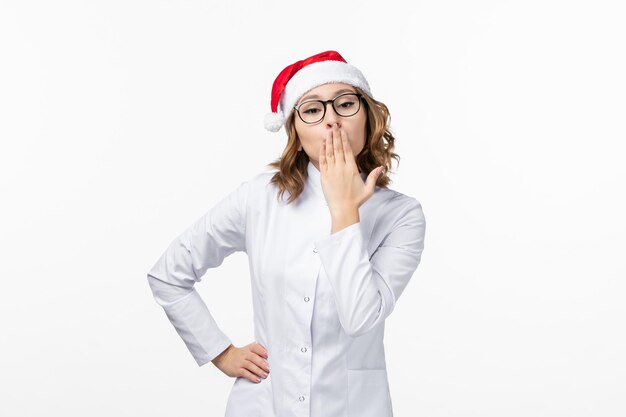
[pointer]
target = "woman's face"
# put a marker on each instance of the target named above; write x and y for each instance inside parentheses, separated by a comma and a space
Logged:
(311, 135)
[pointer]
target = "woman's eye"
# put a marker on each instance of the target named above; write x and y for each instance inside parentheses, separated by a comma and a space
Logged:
(346, 105)
(311, 111)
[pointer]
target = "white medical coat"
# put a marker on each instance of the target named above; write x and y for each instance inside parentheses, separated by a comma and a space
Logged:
(320, 300)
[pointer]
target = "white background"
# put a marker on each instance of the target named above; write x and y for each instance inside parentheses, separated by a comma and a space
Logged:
(121, 122)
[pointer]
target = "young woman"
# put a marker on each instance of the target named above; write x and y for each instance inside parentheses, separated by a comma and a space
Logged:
(331, 248)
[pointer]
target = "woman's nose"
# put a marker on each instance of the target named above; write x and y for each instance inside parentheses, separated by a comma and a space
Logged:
(331, 117)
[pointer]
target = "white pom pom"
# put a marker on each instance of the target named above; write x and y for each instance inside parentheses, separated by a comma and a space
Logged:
(273, 121)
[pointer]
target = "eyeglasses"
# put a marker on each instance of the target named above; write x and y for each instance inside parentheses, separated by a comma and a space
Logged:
(345, 105)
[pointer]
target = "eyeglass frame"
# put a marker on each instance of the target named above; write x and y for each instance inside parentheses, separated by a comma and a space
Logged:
(324, 102)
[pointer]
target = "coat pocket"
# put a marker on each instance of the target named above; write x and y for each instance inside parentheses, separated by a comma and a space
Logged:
(368, 393)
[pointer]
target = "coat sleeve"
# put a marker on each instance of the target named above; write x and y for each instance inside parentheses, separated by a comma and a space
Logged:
(211, 238)
(367, 289)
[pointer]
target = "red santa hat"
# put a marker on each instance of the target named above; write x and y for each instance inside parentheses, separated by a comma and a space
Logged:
(298, 78)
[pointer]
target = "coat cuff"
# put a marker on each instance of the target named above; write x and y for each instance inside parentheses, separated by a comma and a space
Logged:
(195, 325)
(349, 232)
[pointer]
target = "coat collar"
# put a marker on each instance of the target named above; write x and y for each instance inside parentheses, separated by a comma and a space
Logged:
(314, 179)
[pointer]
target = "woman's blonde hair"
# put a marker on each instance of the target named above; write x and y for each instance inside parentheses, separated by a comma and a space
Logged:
(378, 150)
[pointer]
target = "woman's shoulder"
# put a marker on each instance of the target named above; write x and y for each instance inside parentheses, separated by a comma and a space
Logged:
(256, 185)
(262, 177)
(261, 180)
(394, 198)
(398, 206)
(255, 180)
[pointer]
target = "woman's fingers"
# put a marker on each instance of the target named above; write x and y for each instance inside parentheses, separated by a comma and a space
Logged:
(248, 362)
(333, 148)
(330, 154)
(259, 362)
(347, 151)
(255, 369)
(258, 356)
(322, 156)
(255, 362)
(338, 145)
(249, 376)
(258, 349)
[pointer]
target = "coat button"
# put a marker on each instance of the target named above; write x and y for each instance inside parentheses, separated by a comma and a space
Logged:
(301, 398)
(303, 349)
(306, 299)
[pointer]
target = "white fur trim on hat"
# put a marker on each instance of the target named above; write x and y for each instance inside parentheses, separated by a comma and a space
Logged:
(317, 74)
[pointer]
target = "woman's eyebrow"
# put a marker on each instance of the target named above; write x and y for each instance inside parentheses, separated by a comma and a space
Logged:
(343, 90)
